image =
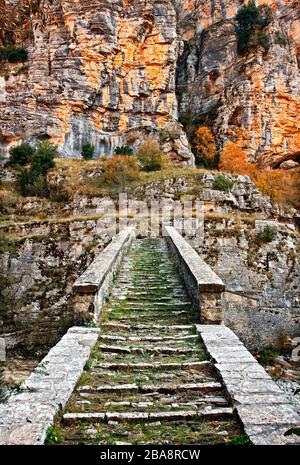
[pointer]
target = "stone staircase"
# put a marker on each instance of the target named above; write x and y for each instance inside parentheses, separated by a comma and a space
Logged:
(149, 380)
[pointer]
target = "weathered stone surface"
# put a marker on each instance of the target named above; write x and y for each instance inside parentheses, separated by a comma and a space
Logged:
(108, 73)
(289, 164)
(204, 286)
(92, 279)
(26, 416)
(102, 73)
(260, 404)
(97, 279)
(252, 99)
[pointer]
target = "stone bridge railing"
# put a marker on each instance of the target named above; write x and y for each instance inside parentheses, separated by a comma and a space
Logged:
(93, 287)
(206, 289)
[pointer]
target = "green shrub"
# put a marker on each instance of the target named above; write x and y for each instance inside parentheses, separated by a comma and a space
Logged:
(268, 355)
(268, 234)
(13, 54)
(87, 151)
(120, 170)
(249, 20)
(239, 441)
(150, 156)
(43, 158)
(123, 150)
(21, 154)
(222, 183)
(262, 39)
(33, 180)
(53, 435)
(281, 39)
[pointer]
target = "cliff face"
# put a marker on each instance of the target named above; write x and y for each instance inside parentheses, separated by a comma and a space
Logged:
(104, 72)
(100, 72)
(251, 99)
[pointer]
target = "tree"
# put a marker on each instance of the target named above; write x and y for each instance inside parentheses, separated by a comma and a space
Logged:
(249, 20)
(32, 180)
(43, 158)
(205, 147)
(123, 150)
(21, 154)
(234, 160)
(87, 151)
(150, 156)
(120, 170)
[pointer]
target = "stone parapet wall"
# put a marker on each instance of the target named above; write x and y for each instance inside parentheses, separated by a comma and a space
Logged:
(26, 416)
(267, 415)
(92, 288)
(204, 286)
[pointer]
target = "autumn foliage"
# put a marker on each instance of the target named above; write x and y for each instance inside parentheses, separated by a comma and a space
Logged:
(204, 144)
(280, 185)
(234, 160)
(120, 170)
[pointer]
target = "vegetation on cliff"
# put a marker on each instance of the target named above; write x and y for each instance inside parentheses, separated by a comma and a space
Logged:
(251, 21)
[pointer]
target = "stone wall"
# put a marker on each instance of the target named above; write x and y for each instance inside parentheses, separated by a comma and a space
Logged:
(26, 416)
(265, 412)
(93, 287)
(259, 326)
(38, 272)
(204, 286)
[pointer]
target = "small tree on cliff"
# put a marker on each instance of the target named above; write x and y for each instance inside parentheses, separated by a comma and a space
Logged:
(120, 170)
(20, 154)
(32, 179)
(205, 147)
(250, 24)
(234, 160)
(150, 156)
(87, 151)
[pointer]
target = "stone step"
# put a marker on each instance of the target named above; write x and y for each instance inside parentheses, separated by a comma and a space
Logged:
(147, 299)
(164, 403)
(169, 339)
(153, 366)
(95, 417)
(113, 324)
(150, 388)
(160, 304)
(133, 314)
(151, 350)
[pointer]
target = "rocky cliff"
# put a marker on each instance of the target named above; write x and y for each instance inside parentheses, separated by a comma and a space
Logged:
(252, 99)
(113, 72)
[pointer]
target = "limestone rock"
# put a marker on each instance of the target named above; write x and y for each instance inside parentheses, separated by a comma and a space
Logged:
(289, 164)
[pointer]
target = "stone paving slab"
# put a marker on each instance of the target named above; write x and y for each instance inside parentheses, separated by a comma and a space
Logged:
(26, 416)
(71, 418)
(267, 415)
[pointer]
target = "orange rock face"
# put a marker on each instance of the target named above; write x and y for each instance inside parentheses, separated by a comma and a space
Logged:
(98, 72)
(253, 99)
(113, 72)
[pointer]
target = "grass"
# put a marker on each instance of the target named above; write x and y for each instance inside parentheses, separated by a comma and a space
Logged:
(54, 435)
(239, 441)
(97, 185)
(267, 355)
